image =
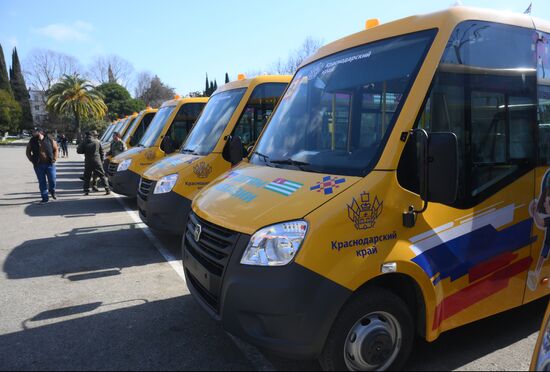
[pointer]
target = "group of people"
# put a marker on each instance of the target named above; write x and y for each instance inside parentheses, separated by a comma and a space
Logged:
(43, 152)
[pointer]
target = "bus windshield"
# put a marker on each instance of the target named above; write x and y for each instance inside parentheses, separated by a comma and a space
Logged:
(155, 128)
(131, 128)
(108, 133)
(126, 126)
(212, 122)
(338, 111)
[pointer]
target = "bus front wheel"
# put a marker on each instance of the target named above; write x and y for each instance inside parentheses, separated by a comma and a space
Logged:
(374, 331)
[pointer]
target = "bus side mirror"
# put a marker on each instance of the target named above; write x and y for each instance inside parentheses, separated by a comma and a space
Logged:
(233, 150)
(437, 165)
(168, 145)
(442, 168)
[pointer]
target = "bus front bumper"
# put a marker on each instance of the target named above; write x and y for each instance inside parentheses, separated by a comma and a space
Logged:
(166, 212)
(287, 310)
(124, 183)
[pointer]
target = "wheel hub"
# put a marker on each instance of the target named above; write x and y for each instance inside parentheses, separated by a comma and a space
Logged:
(373, 343)
(377, 347)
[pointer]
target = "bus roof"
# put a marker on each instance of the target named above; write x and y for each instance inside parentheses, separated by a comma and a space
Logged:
(176, 101)
(445, 20)
(254, 81)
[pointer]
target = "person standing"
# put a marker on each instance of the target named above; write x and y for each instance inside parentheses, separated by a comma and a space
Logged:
(42, 152)
(64, 150)
(117, 145)
(93, 161)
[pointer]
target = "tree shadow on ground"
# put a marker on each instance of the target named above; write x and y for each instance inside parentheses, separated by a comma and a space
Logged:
(98, 248)
(172, 334)
(75, 207)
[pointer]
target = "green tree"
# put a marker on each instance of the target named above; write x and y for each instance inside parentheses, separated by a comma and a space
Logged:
(156, 93)
(226, 78)
(4, 78)
(20, 92)
(119, 101)
(76, 96)
(10, 112)
(215, 86)
(206, 87)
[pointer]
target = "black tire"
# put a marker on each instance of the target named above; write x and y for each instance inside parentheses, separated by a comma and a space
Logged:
(364, 302)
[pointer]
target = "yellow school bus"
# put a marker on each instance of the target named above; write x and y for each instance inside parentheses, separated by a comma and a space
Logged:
(128, 123)
(237, 111)
(121, 127)
(138, 127)
(118, 126)
(108, 132)
(401, 188)
(165, 134)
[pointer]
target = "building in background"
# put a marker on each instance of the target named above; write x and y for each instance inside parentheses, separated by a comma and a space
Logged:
(40, 115)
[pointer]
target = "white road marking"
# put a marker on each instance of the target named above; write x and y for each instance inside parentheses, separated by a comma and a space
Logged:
(251, 353)
(169, 257)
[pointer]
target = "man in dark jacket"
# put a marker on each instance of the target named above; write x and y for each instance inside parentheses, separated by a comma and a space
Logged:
(42, 152)
(93, 161)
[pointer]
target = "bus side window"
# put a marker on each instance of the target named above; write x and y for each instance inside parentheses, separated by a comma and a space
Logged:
(484, 91)
(543, 75)
(259, 107)
(182, 125)
(140, 131)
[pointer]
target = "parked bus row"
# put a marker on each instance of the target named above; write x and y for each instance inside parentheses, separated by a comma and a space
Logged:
(395, 187)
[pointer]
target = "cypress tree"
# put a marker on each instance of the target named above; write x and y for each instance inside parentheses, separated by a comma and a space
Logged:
(110, 75)
(206, 87)
(20, 92)
(4, 78)
(215, 86)
(226, 78)
(211, 89)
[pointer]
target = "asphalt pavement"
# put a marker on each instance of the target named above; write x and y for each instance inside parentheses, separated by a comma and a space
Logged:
(85, 286)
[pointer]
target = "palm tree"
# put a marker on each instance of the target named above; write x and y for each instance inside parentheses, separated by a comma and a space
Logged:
(76, 96)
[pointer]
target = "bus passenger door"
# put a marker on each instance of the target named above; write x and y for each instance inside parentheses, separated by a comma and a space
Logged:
(538, 281)
(477, 250)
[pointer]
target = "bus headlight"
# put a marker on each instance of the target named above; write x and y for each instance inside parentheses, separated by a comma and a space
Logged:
(165, 184)
(275, 245)
(124, 165)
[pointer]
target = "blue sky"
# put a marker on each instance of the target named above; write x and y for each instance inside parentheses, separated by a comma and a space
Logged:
(181, 40)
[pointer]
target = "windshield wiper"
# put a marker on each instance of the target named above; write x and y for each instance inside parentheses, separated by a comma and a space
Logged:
(299, 164)
(265, 157)
(189, 151)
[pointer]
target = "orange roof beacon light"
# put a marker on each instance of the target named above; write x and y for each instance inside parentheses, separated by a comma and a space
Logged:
(241, 77)
(373, 22)
(177, 97)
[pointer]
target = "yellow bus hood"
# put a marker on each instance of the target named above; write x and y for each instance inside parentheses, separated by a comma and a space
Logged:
(128, 154)
(172, 164)
(250, 197)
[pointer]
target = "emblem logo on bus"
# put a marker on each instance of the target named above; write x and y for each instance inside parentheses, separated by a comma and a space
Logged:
(363, 213)
(197, 232)
(202, 170)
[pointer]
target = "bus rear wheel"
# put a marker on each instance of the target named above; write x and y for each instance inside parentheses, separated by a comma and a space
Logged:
(374, 331)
